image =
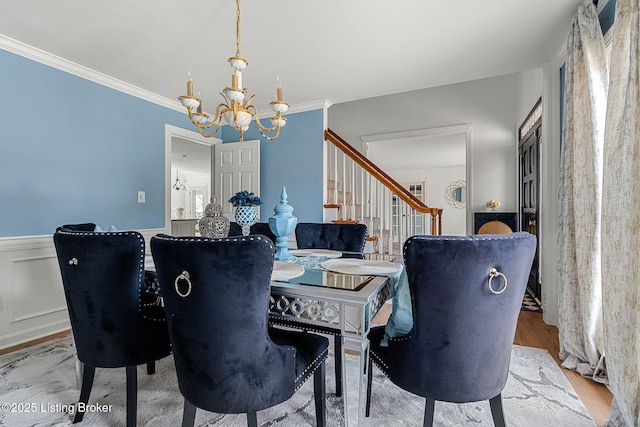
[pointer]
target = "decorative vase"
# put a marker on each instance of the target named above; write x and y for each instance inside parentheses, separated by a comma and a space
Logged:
(246, 216)
(282, 225)
(213, 223)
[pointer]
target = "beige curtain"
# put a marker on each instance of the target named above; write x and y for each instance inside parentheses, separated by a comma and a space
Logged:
(621, 219)
(580, 291)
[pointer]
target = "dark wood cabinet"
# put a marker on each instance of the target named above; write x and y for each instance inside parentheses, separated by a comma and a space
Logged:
(509, 218)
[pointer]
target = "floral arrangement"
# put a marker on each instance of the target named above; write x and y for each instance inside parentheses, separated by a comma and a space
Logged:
(244, 198)
(493, 204)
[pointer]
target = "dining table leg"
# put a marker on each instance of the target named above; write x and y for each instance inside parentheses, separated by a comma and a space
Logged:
(355, 393)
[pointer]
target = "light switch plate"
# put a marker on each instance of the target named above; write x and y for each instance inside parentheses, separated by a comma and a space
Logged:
(141, 197)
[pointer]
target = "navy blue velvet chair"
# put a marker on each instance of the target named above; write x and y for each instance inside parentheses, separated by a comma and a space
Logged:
(216, 294)
(338, 237)
(465, 315)
(103, 276)
(86, 226)
(258, 228)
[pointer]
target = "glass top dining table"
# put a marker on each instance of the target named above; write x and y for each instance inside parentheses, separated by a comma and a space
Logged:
(344, 302)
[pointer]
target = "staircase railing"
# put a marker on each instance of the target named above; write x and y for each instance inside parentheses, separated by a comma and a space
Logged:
(362, 192)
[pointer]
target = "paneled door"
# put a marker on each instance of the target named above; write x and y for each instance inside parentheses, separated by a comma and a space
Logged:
(529, 151)
(236, 167)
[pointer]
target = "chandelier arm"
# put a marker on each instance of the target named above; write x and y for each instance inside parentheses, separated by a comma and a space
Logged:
(262, 127)
(217, 121)
(209, 135)
(216, 118)
(270, 138)
(213, 133)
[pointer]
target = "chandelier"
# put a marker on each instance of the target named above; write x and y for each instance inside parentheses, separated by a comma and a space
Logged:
(236, 111)
(178, 185)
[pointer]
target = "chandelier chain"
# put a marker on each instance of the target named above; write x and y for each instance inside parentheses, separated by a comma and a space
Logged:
(237, 27)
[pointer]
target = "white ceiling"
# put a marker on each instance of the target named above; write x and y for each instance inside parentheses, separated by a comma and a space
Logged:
(340, 50)
(193, 160)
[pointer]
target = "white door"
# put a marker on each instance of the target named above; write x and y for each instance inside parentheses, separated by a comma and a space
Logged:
(236, 168)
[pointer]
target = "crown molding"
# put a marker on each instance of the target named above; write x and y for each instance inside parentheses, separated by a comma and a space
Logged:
(428, 132)
(321, 104)
(46, 58)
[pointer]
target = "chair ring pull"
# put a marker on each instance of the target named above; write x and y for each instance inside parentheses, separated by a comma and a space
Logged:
(183, 276)
(495, 273)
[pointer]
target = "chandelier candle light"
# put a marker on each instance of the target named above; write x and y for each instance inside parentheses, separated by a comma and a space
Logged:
(237, 111)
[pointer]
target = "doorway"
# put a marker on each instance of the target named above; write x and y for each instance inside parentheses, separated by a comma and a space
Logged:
(188, 176)
(529, 135)
(236, 168)
(439, 156)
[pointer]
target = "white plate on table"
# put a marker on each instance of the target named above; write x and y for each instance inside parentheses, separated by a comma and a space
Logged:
(286, 270)
(362, 267)
(316, 252)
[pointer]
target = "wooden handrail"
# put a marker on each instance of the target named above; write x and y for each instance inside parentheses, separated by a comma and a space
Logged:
(400, 191)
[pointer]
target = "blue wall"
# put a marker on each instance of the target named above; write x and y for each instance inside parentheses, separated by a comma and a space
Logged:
(75, 151)
(294, 161)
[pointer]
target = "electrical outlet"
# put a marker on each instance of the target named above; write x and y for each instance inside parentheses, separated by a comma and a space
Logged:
(141, 197)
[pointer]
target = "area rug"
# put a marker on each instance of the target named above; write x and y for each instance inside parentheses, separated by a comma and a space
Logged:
(38, 384)
(529, 303)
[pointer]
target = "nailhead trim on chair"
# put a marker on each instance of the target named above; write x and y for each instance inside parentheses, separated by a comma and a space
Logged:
(220, 239)
(141, 305)
(312, 368)
(379, 363)
(473, 237)
(366, 233)
(304, 326)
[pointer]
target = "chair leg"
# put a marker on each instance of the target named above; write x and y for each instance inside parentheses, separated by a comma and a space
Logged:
(496, 411)
(369, 381)
(87, 382)
(337, 354)
(132, 395)
(429, 406)
(188, 414)
(320, 395)
(79, 366)
(252, 419)
(151, 368)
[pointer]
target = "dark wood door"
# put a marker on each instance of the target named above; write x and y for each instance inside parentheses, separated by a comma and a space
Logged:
(529, 151)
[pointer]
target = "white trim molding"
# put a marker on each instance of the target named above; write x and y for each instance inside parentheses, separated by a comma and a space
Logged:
(549, 178)
(171, 132)
(46, 58)
(81, 71)
(33, 303)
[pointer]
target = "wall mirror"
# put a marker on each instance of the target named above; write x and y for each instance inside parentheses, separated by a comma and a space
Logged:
(456, 194)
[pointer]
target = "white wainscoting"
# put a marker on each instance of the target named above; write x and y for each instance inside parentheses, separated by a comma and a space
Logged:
(32, 303)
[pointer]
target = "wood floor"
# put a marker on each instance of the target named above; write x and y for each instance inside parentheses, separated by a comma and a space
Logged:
(533, 332)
